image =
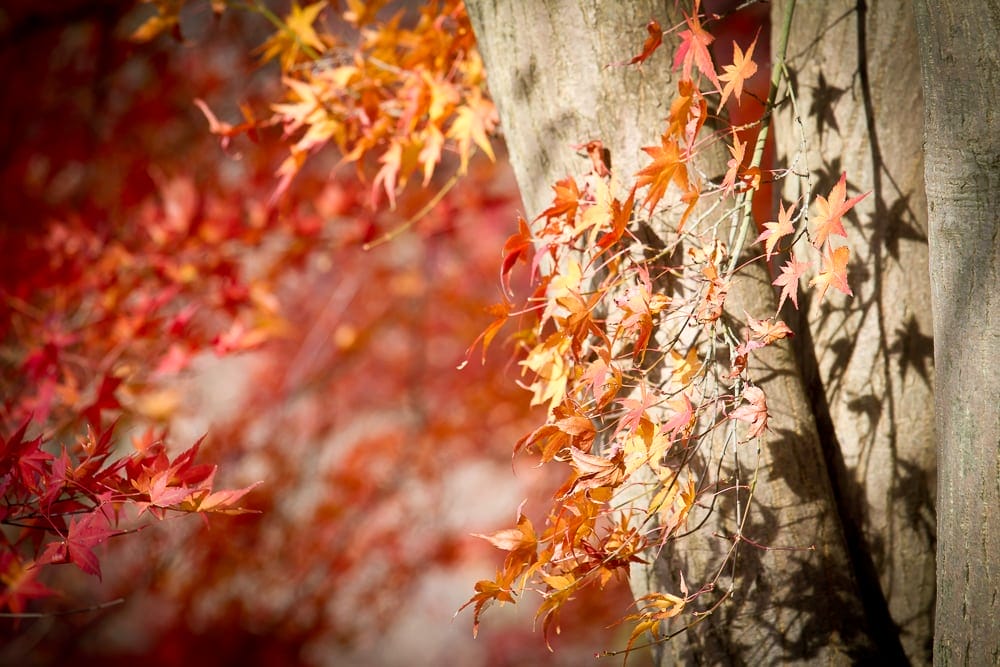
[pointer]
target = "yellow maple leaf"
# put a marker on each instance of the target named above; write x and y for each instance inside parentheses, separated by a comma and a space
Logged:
(296, 36)
(472, 124)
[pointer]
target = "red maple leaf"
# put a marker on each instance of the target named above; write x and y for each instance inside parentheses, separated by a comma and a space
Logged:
(516, 248)
(693, 49)
(20, 583)
(652, 43)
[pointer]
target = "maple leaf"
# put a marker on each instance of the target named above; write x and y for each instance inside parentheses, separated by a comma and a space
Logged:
(667, 167)
(221, 502)
(548, 361)
(161, 492)
(834, 272)
(238, 339)
(773, 231)
(673, 502)
(603, 377)
(594, 472)
(472, 124)
(635, 410)
(167, 17)
(520, 542)
(105, 400)
(430, 151)
(501, 311)
(85, 532)
(598, 215)
(653, 42)
(712, 303)
(565, 202)
(295, 36)
(767, 331)
(686, 366)
(687, 113)
(515, 248)
(597, 154)
(26, 458)
(488, 591)
(831, 209)
(227, 130)
(561, 589)
(737, 150)
(736, 75)
(621, 215)
(639, 304)
(755, 413)
(18, 583)
(655, 608)
(683, 417)
(791, 272)
(693, 48)
(391, 162)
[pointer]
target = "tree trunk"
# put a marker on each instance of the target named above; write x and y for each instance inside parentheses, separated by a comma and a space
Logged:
(960, 65)
(548, 71)
(867, 359)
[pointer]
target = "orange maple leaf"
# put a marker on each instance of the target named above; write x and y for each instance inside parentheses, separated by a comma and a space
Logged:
(773, 231)
(565, 202)
(518, 541)
(594, 472)
(738, 151)
(735, 75)
(834, 272)
(831, 210)
(667, 167)
(687, 113)
(767, 331)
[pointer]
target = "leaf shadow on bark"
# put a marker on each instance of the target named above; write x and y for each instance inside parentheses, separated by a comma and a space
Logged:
(877, 465)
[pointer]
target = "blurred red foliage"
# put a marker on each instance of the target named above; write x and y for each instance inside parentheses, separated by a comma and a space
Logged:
(135, 252)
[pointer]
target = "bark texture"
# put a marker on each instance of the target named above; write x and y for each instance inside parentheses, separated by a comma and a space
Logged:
(867, 359)
(548, 72)
(960, 65)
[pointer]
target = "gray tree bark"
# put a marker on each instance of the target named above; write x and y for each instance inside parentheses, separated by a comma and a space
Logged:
(867, 358)
(547, 65)
(960, 66)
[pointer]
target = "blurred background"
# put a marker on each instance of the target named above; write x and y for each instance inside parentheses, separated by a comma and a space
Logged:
(132, 240)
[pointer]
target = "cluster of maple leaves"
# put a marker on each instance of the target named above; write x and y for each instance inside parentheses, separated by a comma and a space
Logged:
(621, 342)
(613, 334)
(104, 313)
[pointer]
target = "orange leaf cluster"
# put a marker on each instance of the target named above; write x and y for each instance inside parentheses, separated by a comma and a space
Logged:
(394, 101)
(597, 334)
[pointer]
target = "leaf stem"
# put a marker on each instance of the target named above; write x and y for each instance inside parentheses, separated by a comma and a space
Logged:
(396, 231)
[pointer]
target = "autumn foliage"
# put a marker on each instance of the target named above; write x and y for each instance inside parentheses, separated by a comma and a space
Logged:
(139, 266)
